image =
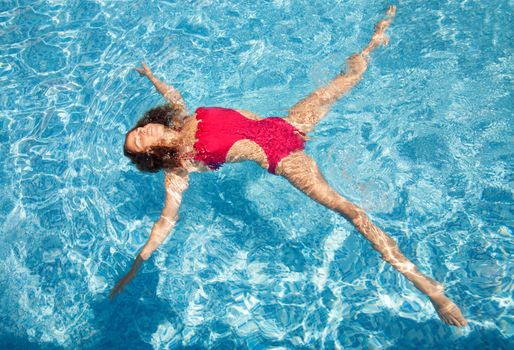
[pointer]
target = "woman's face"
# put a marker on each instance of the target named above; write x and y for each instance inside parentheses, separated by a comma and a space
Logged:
(140, 139)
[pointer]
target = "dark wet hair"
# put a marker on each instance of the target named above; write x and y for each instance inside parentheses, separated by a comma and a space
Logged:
(157, 158)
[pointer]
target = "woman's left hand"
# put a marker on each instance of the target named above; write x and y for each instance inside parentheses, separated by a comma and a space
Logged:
(145, 71)
(118, 287)
(127, 278)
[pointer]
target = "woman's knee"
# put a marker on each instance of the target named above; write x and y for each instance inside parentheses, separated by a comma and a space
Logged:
(355, 214)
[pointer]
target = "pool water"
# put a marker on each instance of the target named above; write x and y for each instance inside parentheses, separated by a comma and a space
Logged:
(423, 144)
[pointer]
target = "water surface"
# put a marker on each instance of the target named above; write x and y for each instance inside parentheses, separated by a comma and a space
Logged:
(423, 144)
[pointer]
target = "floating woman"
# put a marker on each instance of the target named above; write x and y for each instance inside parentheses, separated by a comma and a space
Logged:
(172, 139)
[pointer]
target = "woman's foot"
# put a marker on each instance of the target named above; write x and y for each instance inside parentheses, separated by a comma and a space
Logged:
(379, 37)
(448, 311)
(391, 11)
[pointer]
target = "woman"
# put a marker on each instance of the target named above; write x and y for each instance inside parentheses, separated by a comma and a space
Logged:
(169, 138)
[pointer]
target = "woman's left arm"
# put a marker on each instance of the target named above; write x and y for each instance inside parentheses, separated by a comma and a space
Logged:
(175, 183)
(172, 95)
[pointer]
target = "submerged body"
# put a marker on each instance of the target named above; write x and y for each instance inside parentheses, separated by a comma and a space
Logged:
(213, 136)
(220, 128)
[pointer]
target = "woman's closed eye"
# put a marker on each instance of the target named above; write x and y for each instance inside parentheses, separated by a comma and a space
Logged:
(137, 141)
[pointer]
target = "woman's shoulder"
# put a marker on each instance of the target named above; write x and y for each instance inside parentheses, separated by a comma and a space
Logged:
(188, 166)
(176, 180)
(244, 112)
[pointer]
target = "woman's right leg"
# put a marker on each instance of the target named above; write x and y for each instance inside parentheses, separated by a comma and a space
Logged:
(309, 111)
(302, 172)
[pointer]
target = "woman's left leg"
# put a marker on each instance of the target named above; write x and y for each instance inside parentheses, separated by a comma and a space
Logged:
(305, 114)
(302, 172)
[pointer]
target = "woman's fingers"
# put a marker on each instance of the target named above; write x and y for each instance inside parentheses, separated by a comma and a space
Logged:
(391, 11)
(140, 71)
(114, 292)
(117, 289)
(145, 70)
(148, 72)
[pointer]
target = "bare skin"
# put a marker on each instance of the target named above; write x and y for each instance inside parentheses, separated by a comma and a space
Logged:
(298, 168)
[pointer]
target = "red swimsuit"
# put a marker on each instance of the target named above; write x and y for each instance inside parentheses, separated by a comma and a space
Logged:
(219, 128)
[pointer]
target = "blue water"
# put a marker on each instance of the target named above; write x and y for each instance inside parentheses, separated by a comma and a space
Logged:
(424, 144)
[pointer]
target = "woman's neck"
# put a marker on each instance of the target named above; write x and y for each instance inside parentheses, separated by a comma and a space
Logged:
(183, 139)
(171, 138)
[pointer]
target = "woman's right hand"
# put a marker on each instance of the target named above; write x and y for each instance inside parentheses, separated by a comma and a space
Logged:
(145, 71)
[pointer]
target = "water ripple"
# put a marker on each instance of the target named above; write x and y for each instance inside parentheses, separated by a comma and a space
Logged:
(423, 144)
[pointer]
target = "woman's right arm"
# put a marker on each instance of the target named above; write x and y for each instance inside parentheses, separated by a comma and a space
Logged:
(172, 95)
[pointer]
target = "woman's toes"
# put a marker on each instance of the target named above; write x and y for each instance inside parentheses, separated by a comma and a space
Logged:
(391, 10)
(448, 312)
(446, 319)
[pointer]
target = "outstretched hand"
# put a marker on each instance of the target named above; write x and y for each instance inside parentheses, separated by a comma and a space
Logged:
(145, 71)
(118, 288)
